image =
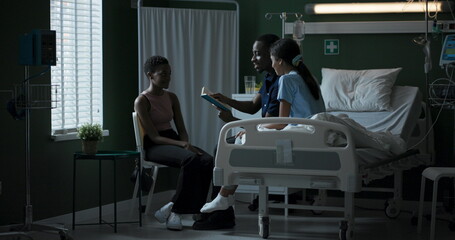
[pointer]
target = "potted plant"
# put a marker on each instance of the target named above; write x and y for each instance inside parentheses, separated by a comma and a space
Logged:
(90, 134)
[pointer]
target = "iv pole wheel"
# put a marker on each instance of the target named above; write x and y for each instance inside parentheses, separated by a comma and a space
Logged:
(391, 209)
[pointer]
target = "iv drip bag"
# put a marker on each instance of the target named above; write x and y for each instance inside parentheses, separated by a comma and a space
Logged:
(299, 30)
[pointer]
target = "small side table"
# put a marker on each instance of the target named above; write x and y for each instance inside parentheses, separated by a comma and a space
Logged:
(100, 156)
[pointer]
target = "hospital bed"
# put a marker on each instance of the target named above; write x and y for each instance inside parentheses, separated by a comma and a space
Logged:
(320, 154)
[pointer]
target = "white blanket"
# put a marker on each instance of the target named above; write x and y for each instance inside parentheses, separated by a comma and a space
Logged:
(383, 141)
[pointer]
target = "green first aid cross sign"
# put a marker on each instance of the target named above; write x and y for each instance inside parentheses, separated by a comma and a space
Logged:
(331, 47)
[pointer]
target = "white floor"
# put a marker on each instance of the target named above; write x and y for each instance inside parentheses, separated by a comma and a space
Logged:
(370, 225)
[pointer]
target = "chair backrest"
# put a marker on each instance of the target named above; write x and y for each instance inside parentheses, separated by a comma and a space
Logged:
(138, 132)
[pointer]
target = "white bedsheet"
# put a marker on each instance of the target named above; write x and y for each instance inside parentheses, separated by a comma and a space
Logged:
(400, 122)
(406, 104)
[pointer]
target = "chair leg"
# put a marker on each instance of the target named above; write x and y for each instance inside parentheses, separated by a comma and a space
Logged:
(421, 201)
(433, 208)
(133, 199)
(150, 195)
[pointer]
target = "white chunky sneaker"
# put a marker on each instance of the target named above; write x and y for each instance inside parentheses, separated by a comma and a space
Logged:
(162, 214)
(174, 222)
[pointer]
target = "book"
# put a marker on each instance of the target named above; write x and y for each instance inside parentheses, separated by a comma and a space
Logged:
(205, 94)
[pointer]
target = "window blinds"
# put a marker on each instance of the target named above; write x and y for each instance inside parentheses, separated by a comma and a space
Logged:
(78, 24)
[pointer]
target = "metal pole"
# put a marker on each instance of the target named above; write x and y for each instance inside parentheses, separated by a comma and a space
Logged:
(28, 206)
(426, 19)
(283, 24)
(139, 47)
(425, 97)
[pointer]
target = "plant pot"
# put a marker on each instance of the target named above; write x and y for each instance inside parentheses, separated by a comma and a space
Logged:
(90, 147)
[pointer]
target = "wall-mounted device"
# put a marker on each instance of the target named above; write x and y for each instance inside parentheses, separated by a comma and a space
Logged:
(38, 48)
(442, 90)
(448, 51)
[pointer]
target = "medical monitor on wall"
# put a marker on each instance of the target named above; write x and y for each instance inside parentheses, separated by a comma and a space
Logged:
(448, 51)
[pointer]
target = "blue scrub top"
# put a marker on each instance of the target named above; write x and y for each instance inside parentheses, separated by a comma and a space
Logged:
(269, 93)
(294, 90)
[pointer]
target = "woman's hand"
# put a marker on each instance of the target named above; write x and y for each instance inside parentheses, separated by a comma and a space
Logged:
(191, 148)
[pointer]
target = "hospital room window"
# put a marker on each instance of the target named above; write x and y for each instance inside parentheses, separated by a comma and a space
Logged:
(78, 73)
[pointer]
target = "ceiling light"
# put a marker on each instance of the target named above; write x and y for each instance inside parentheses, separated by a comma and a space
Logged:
(376, 7)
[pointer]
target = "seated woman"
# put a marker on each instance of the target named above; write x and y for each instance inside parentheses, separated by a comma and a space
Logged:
(299, 96)
(157, 108)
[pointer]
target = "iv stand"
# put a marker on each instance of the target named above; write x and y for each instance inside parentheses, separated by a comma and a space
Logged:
(426, 50)
(427, 68)
(28, 226)
(283, 17)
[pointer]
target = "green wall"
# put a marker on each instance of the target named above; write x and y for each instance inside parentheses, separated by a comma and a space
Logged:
(51, 161)
(358, 51)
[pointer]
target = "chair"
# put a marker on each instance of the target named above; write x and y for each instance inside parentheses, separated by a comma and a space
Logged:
(139, 136)
(434, 174)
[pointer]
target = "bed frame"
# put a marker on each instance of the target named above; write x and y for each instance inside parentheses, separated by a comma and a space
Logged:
(262, 161)
(298, 159)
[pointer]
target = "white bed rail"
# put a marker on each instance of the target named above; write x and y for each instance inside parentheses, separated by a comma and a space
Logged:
(298, 157)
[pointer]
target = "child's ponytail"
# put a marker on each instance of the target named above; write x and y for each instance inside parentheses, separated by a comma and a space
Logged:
(306, 75)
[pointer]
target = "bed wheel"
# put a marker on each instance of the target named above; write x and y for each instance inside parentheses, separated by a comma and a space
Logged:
(264, 227)
(64, 235)
(317, 202)
(391, 210)
(345, 232)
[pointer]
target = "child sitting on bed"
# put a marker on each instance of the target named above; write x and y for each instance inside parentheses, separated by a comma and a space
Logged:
(299, 96)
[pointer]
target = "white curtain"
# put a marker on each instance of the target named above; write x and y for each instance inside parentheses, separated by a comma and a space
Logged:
(202, 48)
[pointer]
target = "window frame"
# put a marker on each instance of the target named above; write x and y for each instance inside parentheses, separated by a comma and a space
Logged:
(76, 24)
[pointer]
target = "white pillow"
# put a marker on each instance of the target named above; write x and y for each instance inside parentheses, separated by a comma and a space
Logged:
(358, 90)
